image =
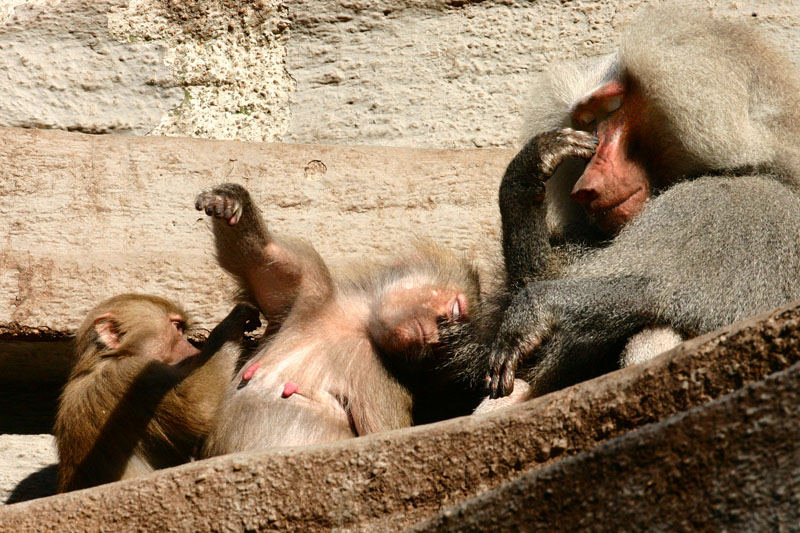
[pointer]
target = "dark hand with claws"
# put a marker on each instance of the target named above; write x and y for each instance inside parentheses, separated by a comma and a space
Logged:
(221, 203)
(526, 245)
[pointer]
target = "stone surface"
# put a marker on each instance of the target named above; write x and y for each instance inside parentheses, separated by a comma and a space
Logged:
(87, 217)
(28, 467)
(62, 68)
(730, 465)
(423, 73)
(395, 479)
(440, 73)
(227, 55)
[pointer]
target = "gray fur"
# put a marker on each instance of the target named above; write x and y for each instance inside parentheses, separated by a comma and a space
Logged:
(718, 243)
(754, 124)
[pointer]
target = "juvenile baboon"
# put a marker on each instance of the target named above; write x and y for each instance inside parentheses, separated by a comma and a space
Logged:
(350, 355)
(672, 171)
(141, 397)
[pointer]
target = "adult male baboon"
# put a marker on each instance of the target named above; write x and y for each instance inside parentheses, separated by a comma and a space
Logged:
(351, 354)
(687, 211)
(141, 397)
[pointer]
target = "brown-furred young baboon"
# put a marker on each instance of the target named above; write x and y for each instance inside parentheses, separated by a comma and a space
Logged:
(671, 168)
(350, 355)
(141, 397)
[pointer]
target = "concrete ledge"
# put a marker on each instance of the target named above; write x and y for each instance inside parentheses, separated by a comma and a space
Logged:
(729, 465)
(393, 480)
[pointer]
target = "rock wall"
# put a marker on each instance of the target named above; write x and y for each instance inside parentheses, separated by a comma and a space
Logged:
(422, 73)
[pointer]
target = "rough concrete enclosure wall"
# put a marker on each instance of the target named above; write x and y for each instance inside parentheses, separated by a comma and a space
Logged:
(423, 73)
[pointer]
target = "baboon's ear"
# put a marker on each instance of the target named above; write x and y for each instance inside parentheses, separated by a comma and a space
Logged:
(107, 330)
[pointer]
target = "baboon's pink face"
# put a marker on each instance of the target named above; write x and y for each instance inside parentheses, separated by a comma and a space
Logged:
(614, 186)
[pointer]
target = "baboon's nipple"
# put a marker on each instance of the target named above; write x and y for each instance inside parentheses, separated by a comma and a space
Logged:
(289, 389)
(250, 371)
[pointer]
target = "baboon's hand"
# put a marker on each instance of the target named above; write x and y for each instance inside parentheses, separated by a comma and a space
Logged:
(225, 202)
(526, 324)
(551, 148)
(502, 373)
(523, 182)
(503, 362)
(242, 318)
(246, 316)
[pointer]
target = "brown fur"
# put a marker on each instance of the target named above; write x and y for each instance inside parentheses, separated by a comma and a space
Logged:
(362, 349)
(125, 412)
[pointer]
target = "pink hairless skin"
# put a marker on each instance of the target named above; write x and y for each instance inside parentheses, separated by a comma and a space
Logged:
(250, 371)
(288, 389)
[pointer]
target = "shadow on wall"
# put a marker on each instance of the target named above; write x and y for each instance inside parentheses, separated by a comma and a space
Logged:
(37, 485)
(28, 408)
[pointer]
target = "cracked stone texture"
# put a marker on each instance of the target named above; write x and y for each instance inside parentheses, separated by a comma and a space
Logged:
(387, 481)
(229, 57)
(422, 73)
